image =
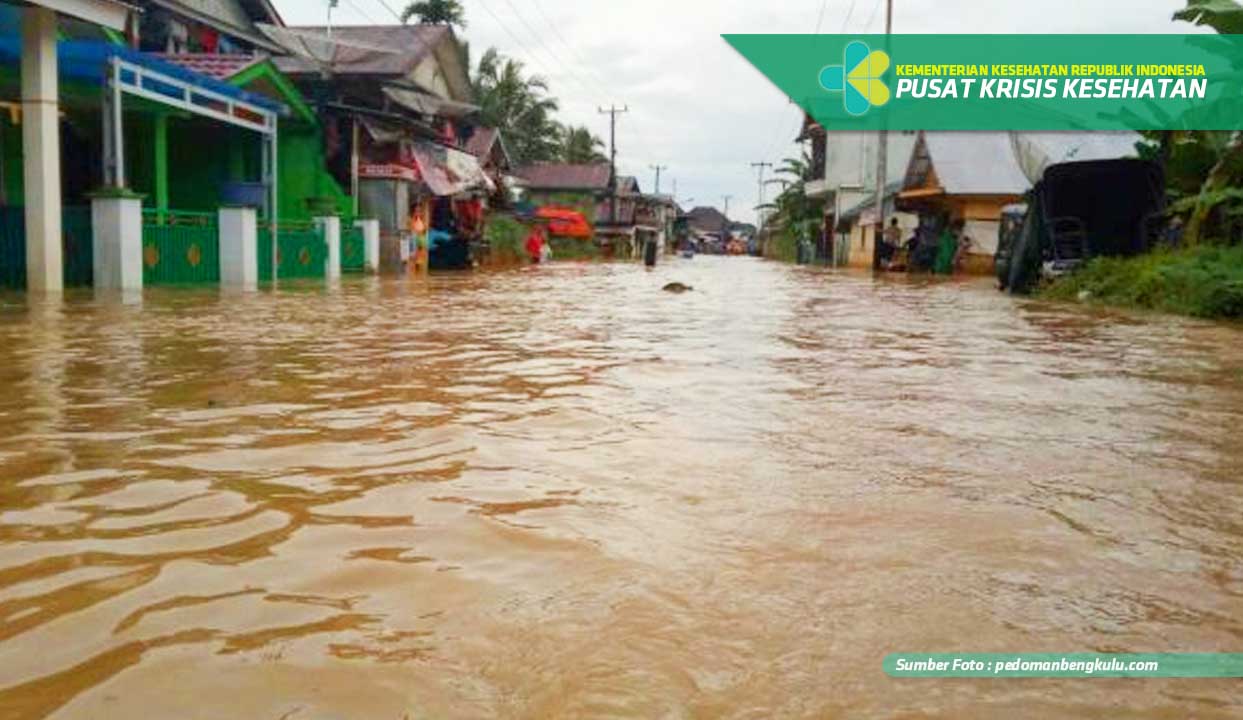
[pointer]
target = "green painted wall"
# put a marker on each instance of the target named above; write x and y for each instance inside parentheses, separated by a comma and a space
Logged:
(203, 154)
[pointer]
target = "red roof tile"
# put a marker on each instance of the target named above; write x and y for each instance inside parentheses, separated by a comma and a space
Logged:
(219, 67)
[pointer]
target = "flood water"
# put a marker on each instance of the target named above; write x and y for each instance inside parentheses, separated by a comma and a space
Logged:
(561, 492)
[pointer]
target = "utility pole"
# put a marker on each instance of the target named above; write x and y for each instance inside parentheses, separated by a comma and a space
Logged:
(882, 159)
(658, 168)
(612, 113)
(759, 166)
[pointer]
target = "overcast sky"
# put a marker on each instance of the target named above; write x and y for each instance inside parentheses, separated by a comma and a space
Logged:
(695, 104)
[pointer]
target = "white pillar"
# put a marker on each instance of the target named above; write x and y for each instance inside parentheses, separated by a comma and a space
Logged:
(117, 226)
(239, 247)
(331, 227)
(371, 243)
(41, 151)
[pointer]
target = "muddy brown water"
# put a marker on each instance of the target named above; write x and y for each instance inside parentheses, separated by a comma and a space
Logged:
(561, 492)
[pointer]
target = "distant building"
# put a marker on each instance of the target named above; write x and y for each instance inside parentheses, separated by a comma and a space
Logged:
(573, 186)
(707, 220)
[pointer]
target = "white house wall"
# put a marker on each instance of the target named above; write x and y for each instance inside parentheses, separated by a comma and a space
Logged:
(850, 158)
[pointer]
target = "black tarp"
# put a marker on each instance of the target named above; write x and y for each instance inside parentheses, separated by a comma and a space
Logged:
(1081, 210)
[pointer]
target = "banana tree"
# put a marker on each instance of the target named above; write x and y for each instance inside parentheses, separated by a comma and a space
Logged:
(1226, 17)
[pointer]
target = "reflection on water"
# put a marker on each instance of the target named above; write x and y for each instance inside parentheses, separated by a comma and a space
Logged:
(561, 492)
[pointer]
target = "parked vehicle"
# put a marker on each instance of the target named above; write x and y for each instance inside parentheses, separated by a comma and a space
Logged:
(1008, 232)
(1081, 210)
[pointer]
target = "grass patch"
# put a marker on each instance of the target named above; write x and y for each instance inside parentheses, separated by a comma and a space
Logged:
(574, 249)
(1205, 282)
(506, 239)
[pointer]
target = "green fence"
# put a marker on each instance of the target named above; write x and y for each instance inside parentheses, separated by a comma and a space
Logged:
(353, 250)
(180, 247)
(76, 245)
(301, 251)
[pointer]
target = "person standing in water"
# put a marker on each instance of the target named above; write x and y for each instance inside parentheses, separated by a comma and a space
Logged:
(947, 248)
(535, 244)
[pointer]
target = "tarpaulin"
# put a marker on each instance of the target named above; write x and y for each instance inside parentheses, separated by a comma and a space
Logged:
(447, 171)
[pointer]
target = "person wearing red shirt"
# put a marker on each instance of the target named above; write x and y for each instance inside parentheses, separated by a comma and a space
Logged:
(535, 244)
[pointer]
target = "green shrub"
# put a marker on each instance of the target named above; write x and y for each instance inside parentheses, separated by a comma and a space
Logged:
(506, 238)
(574, 249)
(1205, 281)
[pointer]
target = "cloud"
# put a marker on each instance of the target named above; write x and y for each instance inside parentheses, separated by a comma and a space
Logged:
(695, 104)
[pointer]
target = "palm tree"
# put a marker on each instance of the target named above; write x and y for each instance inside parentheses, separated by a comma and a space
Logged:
(436, 12)
(580, 146)
(519, 106)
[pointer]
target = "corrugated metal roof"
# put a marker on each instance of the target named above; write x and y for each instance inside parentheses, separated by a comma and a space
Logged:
(415, 42)
(975, 163)
(565, 176)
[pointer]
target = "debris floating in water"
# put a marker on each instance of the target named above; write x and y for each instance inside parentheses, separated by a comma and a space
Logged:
(677, 287)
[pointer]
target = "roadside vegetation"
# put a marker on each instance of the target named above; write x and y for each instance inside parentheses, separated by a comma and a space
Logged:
(1204, 186)
(793, 215)
(1204, 281)
(506, 238)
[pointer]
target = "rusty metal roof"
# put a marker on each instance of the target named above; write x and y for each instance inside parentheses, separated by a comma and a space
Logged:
(565, 176)
(415, 42)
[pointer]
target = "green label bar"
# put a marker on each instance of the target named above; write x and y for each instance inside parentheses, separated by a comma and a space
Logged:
(1007, 82)
(1017, 665)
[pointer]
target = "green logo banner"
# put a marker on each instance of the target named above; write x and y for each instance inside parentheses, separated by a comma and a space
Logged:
(1016, 665)
(1007, 82)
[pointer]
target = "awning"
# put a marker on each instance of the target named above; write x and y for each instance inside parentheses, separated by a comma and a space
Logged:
(449, 171)
(428, 104)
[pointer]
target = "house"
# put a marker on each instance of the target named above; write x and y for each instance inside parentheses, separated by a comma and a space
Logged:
(842, 173)
(153, 135)
(488, 148)
(207, 27)
(654, 218)
(707, 220)
(970, 177)
(856, 228)
(31, 238)
(395, 102)
(583, 188)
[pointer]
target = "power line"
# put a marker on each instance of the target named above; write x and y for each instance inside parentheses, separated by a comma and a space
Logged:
(391, 11)
(362, 12)
(521, 45)
(781, 127)
(871, 16)
(555, 57)
(539, 6)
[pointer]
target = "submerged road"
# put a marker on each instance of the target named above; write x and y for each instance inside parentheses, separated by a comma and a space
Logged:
(561, 492)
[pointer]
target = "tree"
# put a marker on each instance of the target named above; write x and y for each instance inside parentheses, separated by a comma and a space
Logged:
(1226, 17)
(436, 12)
(519, 106)
(579, 145)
